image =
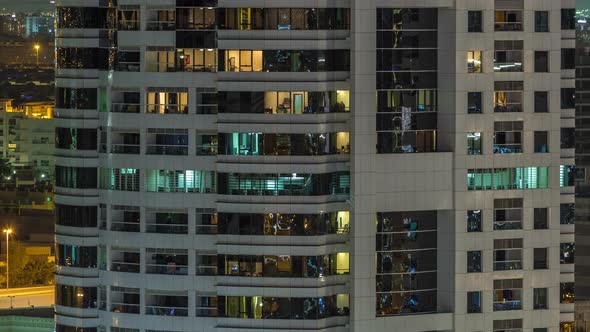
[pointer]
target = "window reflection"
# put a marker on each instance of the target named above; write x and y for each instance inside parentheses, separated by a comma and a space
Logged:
(284, 102)
(75, 216)
(284, 184)
(567, 252)
(406, 80)
(284, 60)
(284, 18)
(277, 224)
(259, 307)
(507, 294)
(75, 256)
(284, 265)
(75, 296)
(406, 245)
(566, 292)
(258, 144)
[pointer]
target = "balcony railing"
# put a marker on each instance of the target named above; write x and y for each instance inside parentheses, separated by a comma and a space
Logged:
(171, 269)
(167, 109)
(507, 305)
(206, 270)
(121, 226)
(125, 108)
(508, 265)
(508, 66)
(161, 25)
(125, 148)
(507, 148)
(166, 311)
(167, 228)
(125, 267)
(507, 225)
(175, 150)
(125, 308)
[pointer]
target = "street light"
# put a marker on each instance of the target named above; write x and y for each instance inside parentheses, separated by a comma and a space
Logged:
(8, 232)
(37, 47)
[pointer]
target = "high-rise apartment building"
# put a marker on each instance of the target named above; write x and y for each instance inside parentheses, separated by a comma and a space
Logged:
(314, 165)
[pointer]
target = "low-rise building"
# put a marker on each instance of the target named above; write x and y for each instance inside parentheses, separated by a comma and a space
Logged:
(26, 140)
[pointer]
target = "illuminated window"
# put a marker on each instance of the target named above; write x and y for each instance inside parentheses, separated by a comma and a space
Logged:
(473, 143)
(474, 61)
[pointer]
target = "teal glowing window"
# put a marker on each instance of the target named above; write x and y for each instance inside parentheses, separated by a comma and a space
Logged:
(508, 178)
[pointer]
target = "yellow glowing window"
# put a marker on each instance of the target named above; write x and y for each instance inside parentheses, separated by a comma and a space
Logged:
(474, 61)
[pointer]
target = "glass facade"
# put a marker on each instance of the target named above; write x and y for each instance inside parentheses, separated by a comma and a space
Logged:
(284, 102)
(406, 80)
(337, 183)
(507, 178)
(406, 245)
(259, 144)
(285, 266)
(284, 224)
(264, 307)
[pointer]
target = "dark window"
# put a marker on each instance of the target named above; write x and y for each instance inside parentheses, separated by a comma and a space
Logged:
(75, 177)
(540, 258)
(566, 214)
(474, 221)
(196, 39)
(541, 21)
(292, 308)
(568, 138)
(541, 102)
(541, 61)
(75, 138)
(568, 98)
(86, 18)
(566, 292)
(75, 256)
(407, 18)
(541, 142)
(474, 102)
(72, 98)
(275, 18)
(256, 224)
(67, 328)
(474, 21)
(75, 296)
(197, 18)
(474, 261)
(540, 218)
(568, 18)
(85, 58)
(540, 298)
(473, 302)
(568, 58)
(567, 252)
(75, 216)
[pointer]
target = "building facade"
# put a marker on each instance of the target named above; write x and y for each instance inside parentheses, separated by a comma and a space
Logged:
(27, 139)
(320, 165)
(582, 210)
(38, 26)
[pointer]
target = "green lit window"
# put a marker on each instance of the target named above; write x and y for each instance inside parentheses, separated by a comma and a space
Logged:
(180, 181)
(508, 178)
(566, 176)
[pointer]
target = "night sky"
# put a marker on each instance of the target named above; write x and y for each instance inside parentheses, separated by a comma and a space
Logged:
(580, 4)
